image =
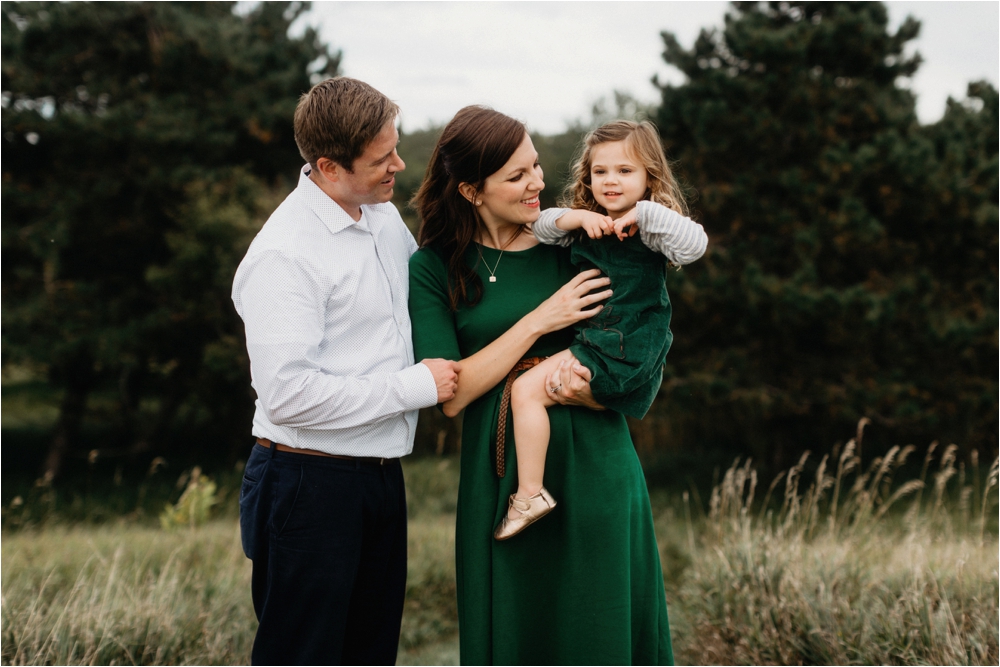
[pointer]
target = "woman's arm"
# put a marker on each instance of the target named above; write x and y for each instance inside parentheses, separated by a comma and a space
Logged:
(485, 369)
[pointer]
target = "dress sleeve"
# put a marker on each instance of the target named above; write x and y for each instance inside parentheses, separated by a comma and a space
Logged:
(434, 331)
(681, 240)
(545, 229)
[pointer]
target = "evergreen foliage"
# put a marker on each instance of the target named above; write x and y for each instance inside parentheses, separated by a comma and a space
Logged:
(852, 265)
(852, 269)
(139, 139)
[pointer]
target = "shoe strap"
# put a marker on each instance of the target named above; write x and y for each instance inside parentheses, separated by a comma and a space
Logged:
(520, 505)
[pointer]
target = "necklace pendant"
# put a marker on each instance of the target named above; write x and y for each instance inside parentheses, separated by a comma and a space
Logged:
(493, 279)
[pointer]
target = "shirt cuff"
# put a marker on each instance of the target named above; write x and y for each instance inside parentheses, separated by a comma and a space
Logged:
(419, 387)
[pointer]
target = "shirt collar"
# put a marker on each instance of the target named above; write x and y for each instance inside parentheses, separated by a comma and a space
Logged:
(326, 209)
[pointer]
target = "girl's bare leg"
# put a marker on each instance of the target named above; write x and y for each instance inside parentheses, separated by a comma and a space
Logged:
(530, 400)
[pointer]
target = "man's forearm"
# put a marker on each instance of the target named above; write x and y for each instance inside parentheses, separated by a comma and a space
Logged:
(297, 396)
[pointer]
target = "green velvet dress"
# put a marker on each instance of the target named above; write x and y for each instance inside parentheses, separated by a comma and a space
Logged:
(626, 344)
(583, 585)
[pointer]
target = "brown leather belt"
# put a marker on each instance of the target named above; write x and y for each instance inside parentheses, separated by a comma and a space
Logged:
(522, 365)
(264, 442)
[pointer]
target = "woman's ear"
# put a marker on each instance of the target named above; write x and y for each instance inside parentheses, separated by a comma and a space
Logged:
(469, 193)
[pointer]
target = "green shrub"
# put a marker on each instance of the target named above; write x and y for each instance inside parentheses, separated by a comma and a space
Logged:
(194, 506)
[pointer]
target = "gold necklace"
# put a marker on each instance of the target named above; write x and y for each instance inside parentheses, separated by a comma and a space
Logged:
(492, 271)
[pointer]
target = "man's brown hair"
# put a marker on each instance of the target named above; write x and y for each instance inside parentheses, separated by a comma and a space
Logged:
(338, 118)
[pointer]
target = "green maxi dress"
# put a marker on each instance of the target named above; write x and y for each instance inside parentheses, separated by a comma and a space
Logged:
(583, 585)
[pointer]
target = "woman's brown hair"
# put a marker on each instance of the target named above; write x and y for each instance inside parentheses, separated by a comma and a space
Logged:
(474, 145)
(643, 141)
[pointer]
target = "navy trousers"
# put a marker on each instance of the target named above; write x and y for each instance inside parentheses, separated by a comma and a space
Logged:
(327, 538)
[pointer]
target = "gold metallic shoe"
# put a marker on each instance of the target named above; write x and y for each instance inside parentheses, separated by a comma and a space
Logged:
(532, 509)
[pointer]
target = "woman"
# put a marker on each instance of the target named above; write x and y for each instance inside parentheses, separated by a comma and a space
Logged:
(584, 586)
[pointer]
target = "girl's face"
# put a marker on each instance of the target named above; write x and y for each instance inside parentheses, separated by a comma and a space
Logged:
(510, 196)
(617, 179)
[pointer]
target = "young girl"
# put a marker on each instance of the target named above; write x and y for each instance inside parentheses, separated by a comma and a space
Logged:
(622, 184)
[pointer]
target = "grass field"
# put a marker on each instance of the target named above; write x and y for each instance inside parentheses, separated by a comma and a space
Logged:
(848, 567)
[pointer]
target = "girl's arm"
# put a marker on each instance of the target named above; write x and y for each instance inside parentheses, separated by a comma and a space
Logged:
(547, 231)
(681, 240)
(485, 369)
(554, 224)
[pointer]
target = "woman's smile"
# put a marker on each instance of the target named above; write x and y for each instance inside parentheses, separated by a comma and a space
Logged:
(510, 196)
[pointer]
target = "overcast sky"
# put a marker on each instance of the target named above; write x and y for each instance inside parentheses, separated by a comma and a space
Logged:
(547, 62)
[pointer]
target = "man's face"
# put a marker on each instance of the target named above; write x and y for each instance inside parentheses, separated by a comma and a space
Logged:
(374, 172)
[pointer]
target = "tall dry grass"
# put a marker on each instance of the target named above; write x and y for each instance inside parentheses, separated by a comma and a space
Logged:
(854, 569)
(139, 594)
(849, 566)
(126, 595)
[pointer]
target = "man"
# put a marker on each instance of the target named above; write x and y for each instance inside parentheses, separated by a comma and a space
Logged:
(323, 295)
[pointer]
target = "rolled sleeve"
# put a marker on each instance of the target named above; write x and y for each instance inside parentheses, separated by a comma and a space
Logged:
(546, 231)
(680, 239)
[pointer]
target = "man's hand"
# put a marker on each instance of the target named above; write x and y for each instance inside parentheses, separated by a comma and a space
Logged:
(445, 376)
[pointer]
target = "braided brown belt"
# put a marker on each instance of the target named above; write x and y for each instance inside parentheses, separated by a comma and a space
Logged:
(522, 365)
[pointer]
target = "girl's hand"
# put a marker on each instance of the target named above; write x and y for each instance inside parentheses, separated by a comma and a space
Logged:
(626, 226)
(572, 303)
(571, 383)
(595, 224)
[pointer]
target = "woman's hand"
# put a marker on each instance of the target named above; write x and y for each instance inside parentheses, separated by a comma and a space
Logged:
(570, 385)
(490, 365)
(572, 303)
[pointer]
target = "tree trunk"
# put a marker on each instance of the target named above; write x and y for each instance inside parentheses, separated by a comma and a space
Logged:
(155, 437)
(77, 379)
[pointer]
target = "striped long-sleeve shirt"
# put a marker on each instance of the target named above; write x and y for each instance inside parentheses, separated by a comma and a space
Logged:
(681, 240)
(624, 345)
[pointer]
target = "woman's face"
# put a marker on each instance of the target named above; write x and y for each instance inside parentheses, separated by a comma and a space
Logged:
(510, 196)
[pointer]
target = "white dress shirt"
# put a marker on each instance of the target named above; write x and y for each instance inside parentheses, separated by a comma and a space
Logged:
(681, 240)
(323, 299)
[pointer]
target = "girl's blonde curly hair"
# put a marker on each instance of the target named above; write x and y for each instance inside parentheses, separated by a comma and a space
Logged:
(643, 141)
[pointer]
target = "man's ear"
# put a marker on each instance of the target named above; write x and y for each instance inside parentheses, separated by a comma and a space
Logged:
(329, 170)
(468, 192)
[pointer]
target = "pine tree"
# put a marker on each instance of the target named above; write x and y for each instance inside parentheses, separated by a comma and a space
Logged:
(825, 295)
(138, 141)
